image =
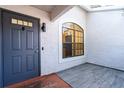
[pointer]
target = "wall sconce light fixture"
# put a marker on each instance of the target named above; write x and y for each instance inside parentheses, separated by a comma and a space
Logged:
(43, 27)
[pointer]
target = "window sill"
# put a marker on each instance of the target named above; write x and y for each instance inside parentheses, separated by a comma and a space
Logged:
(71, 59)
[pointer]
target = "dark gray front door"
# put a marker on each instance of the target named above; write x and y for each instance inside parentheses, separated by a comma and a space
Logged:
(20, 47)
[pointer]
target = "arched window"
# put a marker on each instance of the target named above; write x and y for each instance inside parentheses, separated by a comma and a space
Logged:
(73, 40)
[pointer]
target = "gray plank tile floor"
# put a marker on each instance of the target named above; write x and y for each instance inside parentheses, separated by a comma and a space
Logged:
(93, 76)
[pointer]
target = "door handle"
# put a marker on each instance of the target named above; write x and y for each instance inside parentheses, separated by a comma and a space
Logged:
(36, 50)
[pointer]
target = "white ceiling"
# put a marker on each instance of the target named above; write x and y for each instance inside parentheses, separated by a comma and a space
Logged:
(47, 8)
(91, 8)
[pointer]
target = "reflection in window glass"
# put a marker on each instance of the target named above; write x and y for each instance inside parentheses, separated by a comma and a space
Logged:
(73, 40)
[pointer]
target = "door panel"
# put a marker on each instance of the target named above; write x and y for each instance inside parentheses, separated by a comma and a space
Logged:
(29, 40)
(30, 62)
(16, 64)
(16, 39)
(20, 41)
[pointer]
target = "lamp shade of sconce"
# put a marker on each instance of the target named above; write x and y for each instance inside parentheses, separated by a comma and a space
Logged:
(43, 27)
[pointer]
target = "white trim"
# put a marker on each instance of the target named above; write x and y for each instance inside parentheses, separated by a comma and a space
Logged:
(108, 8)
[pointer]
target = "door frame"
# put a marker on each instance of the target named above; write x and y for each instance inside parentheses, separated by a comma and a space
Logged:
(1, 62)
(2, 46)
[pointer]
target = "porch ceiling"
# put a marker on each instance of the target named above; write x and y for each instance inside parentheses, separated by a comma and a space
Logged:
(55, 11)
(47, 8)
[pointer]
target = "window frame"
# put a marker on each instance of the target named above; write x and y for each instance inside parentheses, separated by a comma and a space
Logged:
(74, 43)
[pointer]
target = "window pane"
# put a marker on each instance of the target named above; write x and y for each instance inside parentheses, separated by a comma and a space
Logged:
(68, 35)
(81, 46)
(67, 50)
(30, 24)
(14, 21)
(81, 40)
(77, 27)
(64, 55)
(79, 34)
(25, 23)
(73, 46)
(68, 39)
(82, 52)
(76, 40)
(73, 37)
(64, 34)
(20, 22)
(78, 52)
(73, 53)
(76, 33)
